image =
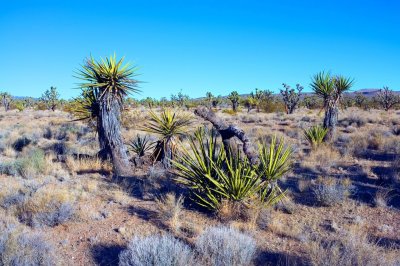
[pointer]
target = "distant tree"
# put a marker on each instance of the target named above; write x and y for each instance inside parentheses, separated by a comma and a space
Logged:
(360, 100)
(310, 102)
(19, 105)
(209, 98)
(149, 102)
(290, 97)
(6, 99)
(330, 89)
(29, 102)
(348, 101)
(387, 99)
(234, 99)
(182, 99)
(216, 101)
(249, 103)
(50, 98)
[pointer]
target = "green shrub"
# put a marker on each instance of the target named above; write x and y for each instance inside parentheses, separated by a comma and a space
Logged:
(315, 135)
(32, 164)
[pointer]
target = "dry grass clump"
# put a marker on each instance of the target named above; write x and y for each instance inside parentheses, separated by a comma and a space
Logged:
(170, 210)
(28, 165)
(322, 159)
(87, 165)
(47, 205)
(382, 198)
(353, 249)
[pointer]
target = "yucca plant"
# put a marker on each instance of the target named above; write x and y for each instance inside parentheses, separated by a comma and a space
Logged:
(86, 106)
(140, 145)
(330, 89)
(111, 81)
(275, 162)
(169, 126)
(213, 177)
(315, 135)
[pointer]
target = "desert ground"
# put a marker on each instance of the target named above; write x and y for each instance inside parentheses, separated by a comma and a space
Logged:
(342, 199)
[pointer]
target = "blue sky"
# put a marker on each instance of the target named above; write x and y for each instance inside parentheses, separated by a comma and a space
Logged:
(200, 46)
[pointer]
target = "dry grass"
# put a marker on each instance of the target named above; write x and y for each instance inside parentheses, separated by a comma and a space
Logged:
(170, 210)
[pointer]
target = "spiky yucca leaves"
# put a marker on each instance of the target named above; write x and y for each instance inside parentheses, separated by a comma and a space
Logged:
(213, 178)
(110, 77)
(86, 106)
(330, 89)
(196, 168)
(275, 162)
(111, 82)
(169, 126)
(140, 145)
(275, 159)
(315, 135)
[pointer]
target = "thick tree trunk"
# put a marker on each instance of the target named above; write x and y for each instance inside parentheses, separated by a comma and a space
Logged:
(234, 106)
(110, 138)
(227, 132)
(330, 120)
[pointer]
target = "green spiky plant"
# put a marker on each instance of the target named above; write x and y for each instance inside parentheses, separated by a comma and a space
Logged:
(111, 81)
(169, 126)
(86, 106)
(140, 145)
(330, 89)
(212, 177)
(315, 135)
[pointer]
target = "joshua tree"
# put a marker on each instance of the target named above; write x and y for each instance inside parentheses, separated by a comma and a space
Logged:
(169, 126)
(310, 102)
(330, 89)
(216, 101)
(360, 100)
(387, 99)
(249, 103)
(234, 98)
(6, 100)
(109, 82)
(50, 98)
(291, 98)
(209, 97)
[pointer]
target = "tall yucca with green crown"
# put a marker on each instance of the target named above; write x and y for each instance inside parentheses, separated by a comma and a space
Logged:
(330, 89)
(107, 82)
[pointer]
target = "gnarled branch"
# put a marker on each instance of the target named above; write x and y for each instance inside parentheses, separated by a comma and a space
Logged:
(227, 132)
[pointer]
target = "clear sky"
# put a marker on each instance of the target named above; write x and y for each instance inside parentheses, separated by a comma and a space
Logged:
(199, 46)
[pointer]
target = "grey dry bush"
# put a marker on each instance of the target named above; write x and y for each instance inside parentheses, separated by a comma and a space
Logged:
(224, 246)
(330, 192)
(156, 250)
(18, 247)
